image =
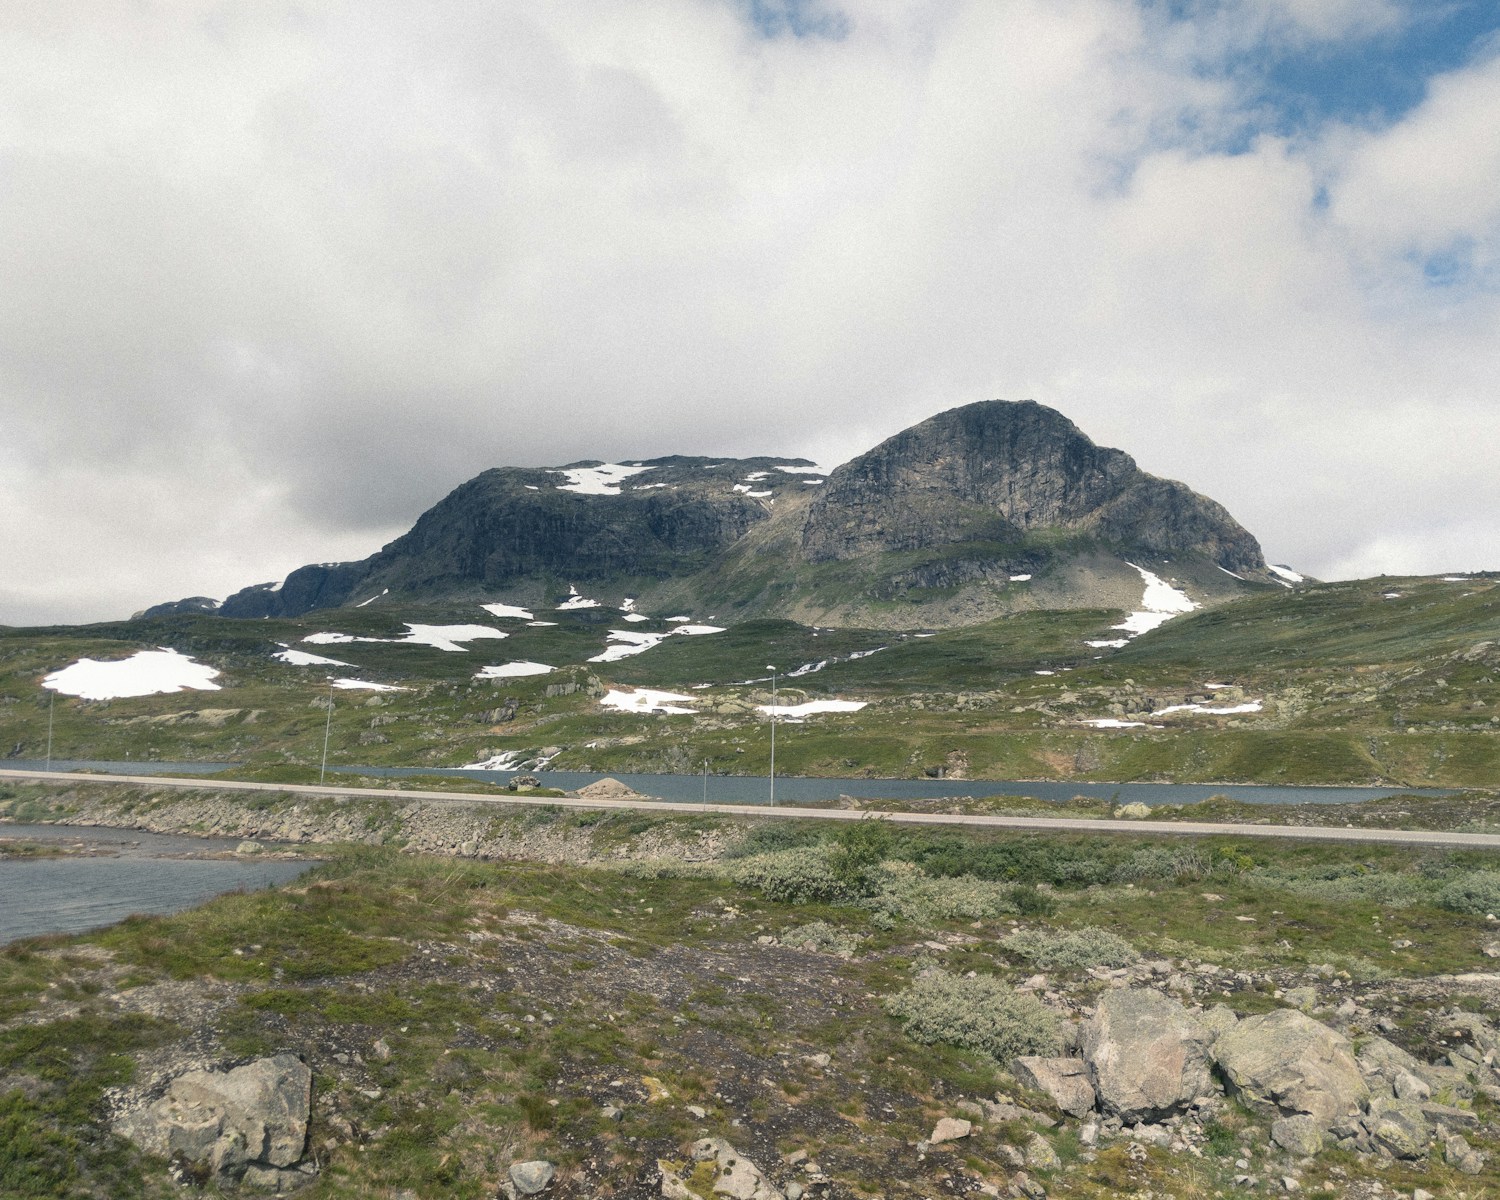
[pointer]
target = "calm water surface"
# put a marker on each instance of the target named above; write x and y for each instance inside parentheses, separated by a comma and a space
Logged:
(132, 873)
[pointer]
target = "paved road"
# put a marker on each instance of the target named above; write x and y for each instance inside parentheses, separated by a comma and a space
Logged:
(1302, 833)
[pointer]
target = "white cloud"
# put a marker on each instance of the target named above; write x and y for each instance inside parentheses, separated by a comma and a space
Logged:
(275, 283)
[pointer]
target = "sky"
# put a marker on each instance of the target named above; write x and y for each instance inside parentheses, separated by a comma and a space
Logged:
(274, 278)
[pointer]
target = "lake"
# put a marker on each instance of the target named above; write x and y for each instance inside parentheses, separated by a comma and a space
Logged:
(128, 872)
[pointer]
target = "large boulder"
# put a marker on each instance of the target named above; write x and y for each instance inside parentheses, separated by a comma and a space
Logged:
(1147, 1057)
(251, 1120)
(1287, 1063)
(1064, 1080)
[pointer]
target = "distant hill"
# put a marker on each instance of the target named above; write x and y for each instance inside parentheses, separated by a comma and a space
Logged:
(989, 508)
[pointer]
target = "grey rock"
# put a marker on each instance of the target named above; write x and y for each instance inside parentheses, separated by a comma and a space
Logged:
(1461, 1156)
(1065, 1081)
(1286, 1062)
(1218, 1020)
(532, 1178)
(1299, 1135)
(1147, 1056)
(1399, 1127)
(738, 1178)
(1040, 1156)
(227, 1121)
(950, 1129)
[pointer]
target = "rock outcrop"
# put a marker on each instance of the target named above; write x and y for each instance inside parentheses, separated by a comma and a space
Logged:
(1000, 472)
(247, 1124)
(735, 1177)
(1147, 1057)
(1286, 1062)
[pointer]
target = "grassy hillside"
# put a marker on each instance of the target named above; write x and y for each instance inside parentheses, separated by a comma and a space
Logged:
(1387, 680)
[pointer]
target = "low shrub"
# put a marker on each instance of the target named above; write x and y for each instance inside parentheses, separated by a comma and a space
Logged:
(979, 1013)
(667, 868)
(822, 937)
(1391, 889)
(1071, 949)
(802, 875)
(903, 892)
(1476, 892)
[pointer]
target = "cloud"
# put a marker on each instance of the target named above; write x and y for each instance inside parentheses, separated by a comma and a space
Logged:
(277, 279)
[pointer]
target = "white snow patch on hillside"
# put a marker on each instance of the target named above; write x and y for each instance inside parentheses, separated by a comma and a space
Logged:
(447, 637)
(1230, 573)
(628, 642)
(334, 639)
(807, 668)
(301, 658)
(813, 470)
(360, 685)
(508, 610)
(1252, 706)
(1286, 573)
(512, 670)
(1159, 604)
(144, 673)
(372, 599)
(635, 617)
(1115, 723)
(811, 707)
(645, 700)
(540, 624)
(677, 620)
(575, 601)
(627, 604)
(1020, 578)
(603, 480)
(756, 476)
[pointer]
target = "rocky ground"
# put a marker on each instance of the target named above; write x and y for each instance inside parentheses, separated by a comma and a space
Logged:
(546, 1007)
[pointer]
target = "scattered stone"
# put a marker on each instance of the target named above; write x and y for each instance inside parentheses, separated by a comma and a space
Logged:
(1299, 1135)
(381, 1050)
(1040, 1156)
(738, 1178)
(532, 1178)
(1461, 1156)
(950, 1129)
(1147, 1056)
(1064, 1080)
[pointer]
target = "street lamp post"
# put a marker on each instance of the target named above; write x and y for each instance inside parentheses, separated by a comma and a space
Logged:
(772, 669)
(327, 728)
(51, 704)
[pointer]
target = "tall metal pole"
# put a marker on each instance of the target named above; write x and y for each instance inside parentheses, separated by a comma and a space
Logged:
(705, 783)
(51, 704)
(772, 669)
(327, 726)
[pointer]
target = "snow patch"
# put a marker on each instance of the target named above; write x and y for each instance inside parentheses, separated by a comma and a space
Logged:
(360, 685)
(645, 700)
(814, 470)
(144, 673)
(628, 642)
(372, 599)
(603, 480)
(575, 601)
(1230, 573)
(756, 476)
(447, 637)
(1020, 578)
(1044, 672)
(540, 624)
(507, 610)
(1286, 573)
(301, 658)
(1159, 604)
(512, 670)
(634, 617)
(1252, 706)
(1116, 723)
(676, 620)
(811, 707)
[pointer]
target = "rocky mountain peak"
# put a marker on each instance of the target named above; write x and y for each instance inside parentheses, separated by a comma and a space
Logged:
(1001, 471)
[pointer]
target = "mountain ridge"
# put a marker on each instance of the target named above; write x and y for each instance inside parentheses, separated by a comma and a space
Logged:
(941, 523)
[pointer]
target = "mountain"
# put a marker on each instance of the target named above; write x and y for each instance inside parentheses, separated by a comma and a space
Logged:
(992, 507)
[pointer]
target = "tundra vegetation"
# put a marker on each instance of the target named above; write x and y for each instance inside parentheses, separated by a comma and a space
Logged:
(624, 999)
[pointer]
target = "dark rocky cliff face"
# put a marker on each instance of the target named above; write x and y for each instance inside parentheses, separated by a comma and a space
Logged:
(1000, 472)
